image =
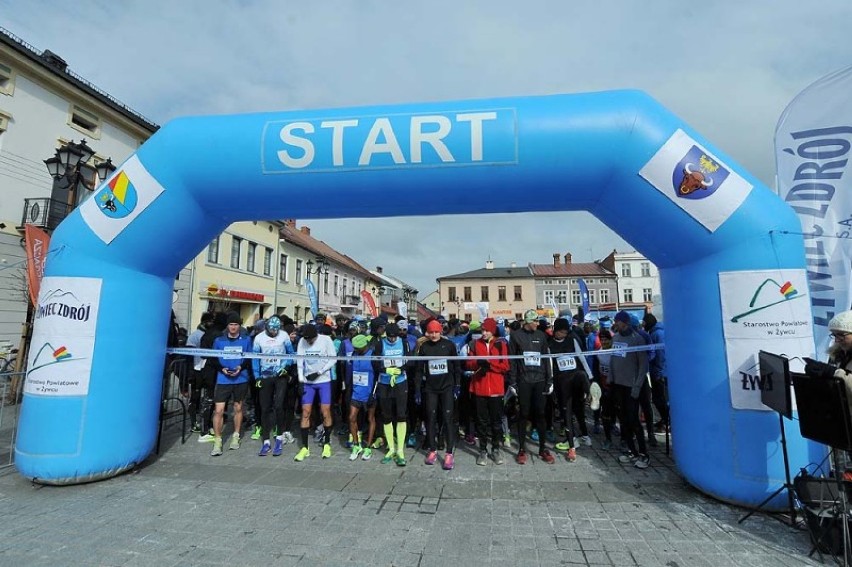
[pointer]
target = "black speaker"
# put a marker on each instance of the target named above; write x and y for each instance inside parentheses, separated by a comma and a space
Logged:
(823, 511)
(823, 410)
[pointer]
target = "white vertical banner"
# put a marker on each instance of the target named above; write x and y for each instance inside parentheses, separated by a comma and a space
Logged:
(66, 320)
(763, 310)
(812, 150)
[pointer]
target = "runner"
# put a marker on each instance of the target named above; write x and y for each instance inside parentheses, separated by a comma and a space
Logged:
(363, 397)
(271, 383)
(315, 379)
(392, 391)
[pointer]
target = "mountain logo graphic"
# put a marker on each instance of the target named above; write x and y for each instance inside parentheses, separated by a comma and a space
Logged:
(48, 355)
(787, 291)
(58, 293)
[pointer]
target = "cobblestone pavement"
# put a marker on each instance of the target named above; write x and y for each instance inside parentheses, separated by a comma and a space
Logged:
(187, 508)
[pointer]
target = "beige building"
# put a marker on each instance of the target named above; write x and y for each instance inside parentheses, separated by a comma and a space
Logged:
(237, 272)
(497, 292)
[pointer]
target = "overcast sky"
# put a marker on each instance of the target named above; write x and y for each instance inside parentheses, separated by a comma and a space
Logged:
(728, 68)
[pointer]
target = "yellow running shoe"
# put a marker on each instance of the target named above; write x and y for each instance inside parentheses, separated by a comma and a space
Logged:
(326, 451)
(300, 456)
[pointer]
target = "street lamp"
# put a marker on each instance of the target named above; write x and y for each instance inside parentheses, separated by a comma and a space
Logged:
(70, 165)
(322, 268)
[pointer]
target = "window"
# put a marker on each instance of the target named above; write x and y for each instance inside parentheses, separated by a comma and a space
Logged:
(602, 281)
(345, 285)
(562, 297)
(4, 121)
(468, 293)
(625, 270)
(576, 298)
(592, 297)
(267, 262)
(336, 285)
(353, 288)
(252, 250)
(213, 251)
(646, 295)
(548, 282)
(84, 121)
(518, 295)
(282, 268)
(604, 295)
(501, 293)
(451, 293)
(548, 296)
(483, 293)
(299, 280)
(563, 282)
(7, 79)
(628, 295)
(646, 269)
(236, 244)
(325, 283)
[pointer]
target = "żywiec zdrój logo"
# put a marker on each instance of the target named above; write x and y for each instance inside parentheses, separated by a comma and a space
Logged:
(697, 175)
(787, 291)
(59, 303)
(118, 198)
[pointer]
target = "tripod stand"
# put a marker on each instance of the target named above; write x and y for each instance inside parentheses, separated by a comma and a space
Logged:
(788, 486)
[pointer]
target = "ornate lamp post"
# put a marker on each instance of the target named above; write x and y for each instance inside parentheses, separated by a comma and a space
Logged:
(72, 173)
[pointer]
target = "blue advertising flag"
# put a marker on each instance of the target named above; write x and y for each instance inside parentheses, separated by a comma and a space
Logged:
(312, 295)
(584, 294)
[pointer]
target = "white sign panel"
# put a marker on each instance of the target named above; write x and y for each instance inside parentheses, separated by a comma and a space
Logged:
(696, 181)
(124, 196)
(60, 356)
(763, 310)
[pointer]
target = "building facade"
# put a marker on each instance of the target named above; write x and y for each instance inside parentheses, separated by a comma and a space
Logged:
(503, 293)
(638, 281)
(43, 107)
(557, 286)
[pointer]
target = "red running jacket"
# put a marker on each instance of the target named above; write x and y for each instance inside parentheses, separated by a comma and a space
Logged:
(489, 382)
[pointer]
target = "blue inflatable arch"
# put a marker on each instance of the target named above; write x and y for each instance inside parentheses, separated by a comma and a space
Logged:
(91, 403)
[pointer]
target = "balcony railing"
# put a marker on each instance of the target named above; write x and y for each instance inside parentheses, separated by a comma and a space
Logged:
(44, 212)
(353, 300)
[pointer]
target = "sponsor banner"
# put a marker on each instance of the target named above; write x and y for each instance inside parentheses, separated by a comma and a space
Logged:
(370, 303)
(402, 308)
(36, 242)
(763, 310)
(584, 294)
(123, 197)
(63, 342)
(813, 143)
(696, 181)
(312, 295)
(482, 307)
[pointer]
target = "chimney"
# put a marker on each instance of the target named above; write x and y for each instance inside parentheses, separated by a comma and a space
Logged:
(567, 258)
(556, 260)
(379, 269)
(305, 230)
(489, 265)
(54, 60)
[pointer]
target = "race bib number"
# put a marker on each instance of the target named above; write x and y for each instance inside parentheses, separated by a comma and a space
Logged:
(393, 362)
(619, 349)
(232, 352)
(565, 363)
(360, 379)
(438, 366)
(532, 358)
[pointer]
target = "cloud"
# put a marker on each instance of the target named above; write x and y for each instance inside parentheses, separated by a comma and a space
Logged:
(728, 69)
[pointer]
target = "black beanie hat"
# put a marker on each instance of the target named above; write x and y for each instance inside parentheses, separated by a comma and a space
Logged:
(561, 324)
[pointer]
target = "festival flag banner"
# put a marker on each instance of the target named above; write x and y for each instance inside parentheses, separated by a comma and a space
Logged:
(312, 295)
(812, 150)
(36, 242)
(584, 295)
(370, 303)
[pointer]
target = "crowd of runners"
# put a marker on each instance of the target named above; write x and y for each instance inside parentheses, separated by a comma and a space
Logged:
(397, 388)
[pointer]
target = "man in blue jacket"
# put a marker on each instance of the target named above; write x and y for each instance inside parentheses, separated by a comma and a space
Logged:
(231, 380)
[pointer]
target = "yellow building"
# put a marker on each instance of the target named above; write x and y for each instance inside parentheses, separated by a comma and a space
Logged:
(498, 292)
(237, 272)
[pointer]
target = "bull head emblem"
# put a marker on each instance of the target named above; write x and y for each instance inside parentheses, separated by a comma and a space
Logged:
(693, 180)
